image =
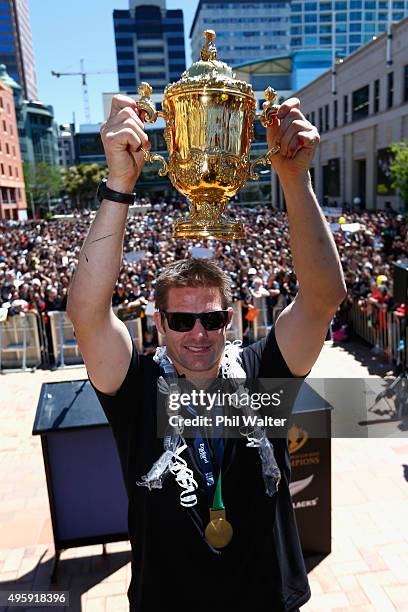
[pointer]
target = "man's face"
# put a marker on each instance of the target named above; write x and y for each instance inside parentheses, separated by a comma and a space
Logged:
(197, 350)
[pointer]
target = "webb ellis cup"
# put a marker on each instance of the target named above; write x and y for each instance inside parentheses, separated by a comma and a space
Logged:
(209, 119)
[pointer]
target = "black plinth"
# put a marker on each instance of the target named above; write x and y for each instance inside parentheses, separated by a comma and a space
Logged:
(87, 496)
(311, 470)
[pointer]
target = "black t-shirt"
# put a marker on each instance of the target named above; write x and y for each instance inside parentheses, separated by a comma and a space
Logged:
(173, 566)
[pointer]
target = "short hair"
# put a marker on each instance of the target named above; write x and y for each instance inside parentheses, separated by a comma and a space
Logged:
(192, 272)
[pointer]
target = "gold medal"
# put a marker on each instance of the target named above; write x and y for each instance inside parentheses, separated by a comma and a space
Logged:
(218, 532)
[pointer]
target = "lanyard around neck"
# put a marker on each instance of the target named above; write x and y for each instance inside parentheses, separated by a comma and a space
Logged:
(211, 473)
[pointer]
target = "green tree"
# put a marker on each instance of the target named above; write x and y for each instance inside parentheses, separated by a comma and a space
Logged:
(42, 181)
(399, 168)
(81, 182)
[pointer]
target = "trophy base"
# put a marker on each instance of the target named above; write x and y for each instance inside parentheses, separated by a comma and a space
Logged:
(221, 229)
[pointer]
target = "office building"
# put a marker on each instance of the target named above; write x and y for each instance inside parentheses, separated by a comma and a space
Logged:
(88, 145)
(149, 45)
(359, 117)
(246, 29)
(37, 130)
(38, 133)
(66, 145)
(13, 203)
(285, 73)
(355, 22)
(16, 45)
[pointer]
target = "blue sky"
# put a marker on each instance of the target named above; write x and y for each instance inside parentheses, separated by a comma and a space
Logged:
(65, 32)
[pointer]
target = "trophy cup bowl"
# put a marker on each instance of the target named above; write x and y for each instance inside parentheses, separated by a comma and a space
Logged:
(209, 118)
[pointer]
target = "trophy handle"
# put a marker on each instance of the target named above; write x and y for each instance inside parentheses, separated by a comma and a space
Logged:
(146, 104)
(266, 118)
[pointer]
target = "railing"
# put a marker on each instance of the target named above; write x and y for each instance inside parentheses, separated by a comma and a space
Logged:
(383, 329)
(235, 330)
(65, 347)
(64, 344)
(135, 329)
(263, 321)
(20, 342)
(260, 324)
(28, 340)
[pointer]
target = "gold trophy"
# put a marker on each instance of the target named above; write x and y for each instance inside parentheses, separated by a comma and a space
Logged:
(209, 119)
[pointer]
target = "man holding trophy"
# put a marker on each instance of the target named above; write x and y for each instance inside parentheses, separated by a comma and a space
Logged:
(227, 541)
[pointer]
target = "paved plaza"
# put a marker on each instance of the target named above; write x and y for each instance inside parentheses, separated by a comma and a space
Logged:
(366, 571)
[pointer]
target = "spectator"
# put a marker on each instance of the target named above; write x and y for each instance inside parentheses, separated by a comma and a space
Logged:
(259, 291)
(119, 296)
(38, 258)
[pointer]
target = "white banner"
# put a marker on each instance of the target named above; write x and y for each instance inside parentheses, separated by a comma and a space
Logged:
(351, 227)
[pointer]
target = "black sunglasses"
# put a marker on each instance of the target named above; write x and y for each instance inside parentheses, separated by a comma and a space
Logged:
(185, 321)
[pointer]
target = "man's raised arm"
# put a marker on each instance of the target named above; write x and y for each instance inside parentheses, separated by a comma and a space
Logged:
(104, 341)
(302, 327)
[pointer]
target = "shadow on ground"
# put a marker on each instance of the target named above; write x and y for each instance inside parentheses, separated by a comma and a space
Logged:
(363, 353)
(76, 575)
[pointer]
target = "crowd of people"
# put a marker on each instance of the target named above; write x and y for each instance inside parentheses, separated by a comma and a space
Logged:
(38, 257)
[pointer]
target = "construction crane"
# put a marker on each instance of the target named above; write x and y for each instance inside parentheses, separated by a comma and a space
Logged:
(83, 74)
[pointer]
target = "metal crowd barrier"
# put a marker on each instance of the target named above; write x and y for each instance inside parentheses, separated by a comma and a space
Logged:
(135, 329)
(28, 340)
(20, 342)
(65, 347)
(262, 323)
(371, 321)
(381, 328)
(235, 331)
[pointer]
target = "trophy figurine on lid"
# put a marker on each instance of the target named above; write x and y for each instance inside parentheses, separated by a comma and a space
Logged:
(209, 119)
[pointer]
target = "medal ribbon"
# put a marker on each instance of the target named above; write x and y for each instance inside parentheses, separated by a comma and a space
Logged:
(212, 480)
(218, 504)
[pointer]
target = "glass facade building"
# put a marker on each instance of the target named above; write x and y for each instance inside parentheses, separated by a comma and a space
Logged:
(16, 45)
(246, 30)
(256, 29)
(347, 24)
(149, 45)
(88, 145)
(39, 135)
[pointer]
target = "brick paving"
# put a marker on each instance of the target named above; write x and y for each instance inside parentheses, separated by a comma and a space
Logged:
(366, 571)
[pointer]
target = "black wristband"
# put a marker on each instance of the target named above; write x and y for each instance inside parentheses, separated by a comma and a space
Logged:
(104, 193)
